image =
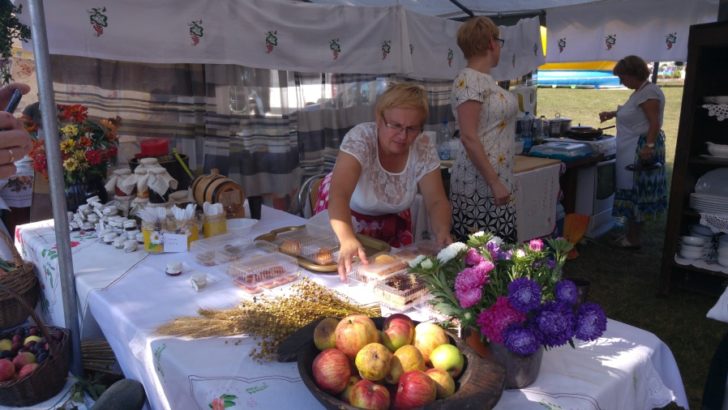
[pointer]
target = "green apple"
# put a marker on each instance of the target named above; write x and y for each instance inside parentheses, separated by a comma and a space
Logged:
(448, 357)
(6, 344)
(427, 337)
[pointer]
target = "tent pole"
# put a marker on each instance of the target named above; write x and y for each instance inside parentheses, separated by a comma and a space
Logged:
(55, 176)
(463, 8)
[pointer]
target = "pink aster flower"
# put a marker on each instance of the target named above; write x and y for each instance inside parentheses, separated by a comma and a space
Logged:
(536, 245)
(470, 278)
(468, 297)
(473, 257)
(496, 319)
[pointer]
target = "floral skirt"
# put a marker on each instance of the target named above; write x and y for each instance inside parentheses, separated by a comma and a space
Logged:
(648, 197)
(395, 229)
(473, 213)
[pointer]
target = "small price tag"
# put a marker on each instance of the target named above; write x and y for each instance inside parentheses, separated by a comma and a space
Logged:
(174, 242)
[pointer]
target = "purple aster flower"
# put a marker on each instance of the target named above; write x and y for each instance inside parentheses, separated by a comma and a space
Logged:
(565, 291)
(494, 249)
(536, 245)
(521, 340)
(556, 323)
(468, 297)
(551, 264)
(591, 322)
(524, 294)
(473, 257)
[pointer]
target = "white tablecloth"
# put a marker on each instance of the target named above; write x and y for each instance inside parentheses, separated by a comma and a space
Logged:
(626, 368)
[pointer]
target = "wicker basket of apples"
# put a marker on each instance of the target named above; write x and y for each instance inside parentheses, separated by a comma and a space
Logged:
(34, 361)
(397, 363)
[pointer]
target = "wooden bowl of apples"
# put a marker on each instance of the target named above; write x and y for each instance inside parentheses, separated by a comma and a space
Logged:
(351, 363)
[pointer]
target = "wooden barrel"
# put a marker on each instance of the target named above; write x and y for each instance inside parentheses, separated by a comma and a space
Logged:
(216, 188)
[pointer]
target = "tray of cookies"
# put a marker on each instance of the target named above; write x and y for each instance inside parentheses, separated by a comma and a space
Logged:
(264, 271)
(380, 267)
(315, 249)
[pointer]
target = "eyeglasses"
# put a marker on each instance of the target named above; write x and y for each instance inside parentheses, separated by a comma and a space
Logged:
(397, 128)
(500, 41)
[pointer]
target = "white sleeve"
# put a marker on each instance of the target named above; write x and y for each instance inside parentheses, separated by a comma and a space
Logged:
(359, 143)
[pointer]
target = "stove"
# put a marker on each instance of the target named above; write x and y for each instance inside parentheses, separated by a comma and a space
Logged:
(606, 144)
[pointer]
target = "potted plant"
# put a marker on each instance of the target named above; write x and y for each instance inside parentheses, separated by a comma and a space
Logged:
(513, 295)
(10, 29)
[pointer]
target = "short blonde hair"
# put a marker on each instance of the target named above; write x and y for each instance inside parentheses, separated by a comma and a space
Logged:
(403, 95)
(475, 36)
(633, 66)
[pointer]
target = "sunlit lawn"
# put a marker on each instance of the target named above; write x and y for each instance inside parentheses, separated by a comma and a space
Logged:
(626, 282)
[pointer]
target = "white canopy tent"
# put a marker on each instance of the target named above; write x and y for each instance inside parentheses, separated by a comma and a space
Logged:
(170, 31)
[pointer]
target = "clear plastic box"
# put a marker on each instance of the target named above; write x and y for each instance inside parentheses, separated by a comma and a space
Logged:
(317, 245)
(409, 252)
(401, 291)
(221, 249)
(380, 267)
(265, 271)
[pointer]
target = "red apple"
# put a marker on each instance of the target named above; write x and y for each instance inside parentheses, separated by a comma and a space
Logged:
(324, 336)
(22, 359)
(405, 359)
(398, 330)
(448, 358)
(331, 370)
(372, 361)
(346, 394)
(443, 381)
(354, 332)
(415, 389)
(7, 370)
(27, 369)
(368, 395)
(427, 337)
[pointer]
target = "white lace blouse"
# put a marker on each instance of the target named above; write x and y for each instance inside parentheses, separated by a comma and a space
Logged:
(379, 191)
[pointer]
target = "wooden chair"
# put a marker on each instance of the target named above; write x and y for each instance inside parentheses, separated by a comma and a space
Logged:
(308, 191)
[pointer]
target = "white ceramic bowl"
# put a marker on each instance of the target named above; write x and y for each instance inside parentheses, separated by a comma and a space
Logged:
(701, 229)
(693, 240)
(713, 182)
(691, 254)
(717, 150)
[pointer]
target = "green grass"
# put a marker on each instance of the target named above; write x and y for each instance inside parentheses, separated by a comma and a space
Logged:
(625, 283)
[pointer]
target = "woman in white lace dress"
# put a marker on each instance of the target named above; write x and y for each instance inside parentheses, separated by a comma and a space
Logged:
(481, 183)
(378, 171)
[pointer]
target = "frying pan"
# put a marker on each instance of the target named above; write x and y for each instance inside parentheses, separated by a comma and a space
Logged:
(586, 133)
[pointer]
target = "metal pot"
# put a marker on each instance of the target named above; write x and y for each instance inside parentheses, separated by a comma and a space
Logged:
(559, 126)
(585, 133)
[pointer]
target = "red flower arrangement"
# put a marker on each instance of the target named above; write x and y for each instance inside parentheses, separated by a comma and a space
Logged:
(87, 147)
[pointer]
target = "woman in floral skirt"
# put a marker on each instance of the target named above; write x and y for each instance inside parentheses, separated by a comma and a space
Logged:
(481, 183)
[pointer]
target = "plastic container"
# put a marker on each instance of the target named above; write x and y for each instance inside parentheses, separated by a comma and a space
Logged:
(401, 291)
(260, 272)
(317, 245)
(409, 252)
(222, 249)
(380, 267)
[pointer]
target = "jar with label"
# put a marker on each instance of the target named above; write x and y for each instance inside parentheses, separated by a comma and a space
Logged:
(118, 177)
(153, 240)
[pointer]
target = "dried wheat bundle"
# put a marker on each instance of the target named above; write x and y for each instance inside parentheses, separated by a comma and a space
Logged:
(271, 319)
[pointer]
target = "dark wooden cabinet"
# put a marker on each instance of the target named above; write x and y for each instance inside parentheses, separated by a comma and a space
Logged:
(706, 75)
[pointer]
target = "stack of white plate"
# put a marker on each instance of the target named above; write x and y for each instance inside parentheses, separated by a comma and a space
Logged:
(696, 247)
(711, 204)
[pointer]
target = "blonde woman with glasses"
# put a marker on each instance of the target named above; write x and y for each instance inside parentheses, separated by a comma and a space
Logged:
(481, 183)
(379, 169)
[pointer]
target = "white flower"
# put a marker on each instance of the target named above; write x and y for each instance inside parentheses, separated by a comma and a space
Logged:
(426, 264)
(520, 253)
(416, 261)
(478, 234)
(451, 251)
(496, 240)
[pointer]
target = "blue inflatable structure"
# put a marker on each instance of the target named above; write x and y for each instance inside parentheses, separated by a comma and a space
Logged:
(576, 78)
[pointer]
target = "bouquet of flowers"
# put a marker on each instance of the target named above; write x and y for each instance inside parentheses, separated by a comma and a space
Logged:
(87, 147)
(513, 293)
